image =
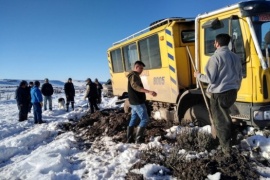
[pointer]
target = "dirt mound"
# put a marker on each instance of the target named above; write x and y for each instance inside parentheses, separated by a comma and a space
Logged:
(114, 123)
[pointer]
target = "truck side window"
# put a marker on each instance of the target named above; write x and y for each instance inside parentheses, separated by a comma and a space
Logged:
(116, 59)
(210, 35)
(188, 36)
(150, 52)
(130, 56)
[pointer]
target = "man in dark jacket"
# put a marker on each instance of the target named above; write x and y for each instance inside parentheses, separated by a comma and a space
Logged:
(47, 92)
(22, 98)
(137, 98)
(91, 94)
(70, 93)
(30, 85)
(99, 89)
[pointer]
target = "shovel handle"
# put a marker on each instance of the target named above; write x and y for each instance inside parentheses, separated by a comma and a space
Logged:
(213, 130)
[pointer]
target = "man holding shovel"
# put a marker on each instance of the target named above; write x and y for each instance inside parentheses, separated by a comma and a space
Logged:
(223, 75)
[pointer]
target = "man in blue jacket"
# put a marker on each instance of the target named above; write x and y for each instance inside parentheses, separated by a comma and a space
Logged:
(37, 101)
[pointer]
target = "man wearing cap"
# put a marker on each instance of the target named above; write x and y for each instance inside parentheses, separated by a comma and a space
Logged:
(99, 90)
(91, 94)
(137, 98)
(47, 92)
(70, 93)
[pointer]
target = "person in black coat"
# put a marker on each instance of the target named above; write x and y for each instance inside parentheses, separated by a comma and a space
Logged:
(70, 93)
(47, 92)
(91, 94)
(22, 98)
(30, 85)
(99, 89)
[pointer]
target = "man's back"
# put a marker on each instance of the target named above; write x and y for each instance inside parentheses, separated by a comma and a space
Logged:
(224, 70)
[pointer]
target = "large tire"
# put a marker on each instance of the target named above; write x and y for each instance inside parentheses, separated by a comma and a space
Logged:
(197, 115)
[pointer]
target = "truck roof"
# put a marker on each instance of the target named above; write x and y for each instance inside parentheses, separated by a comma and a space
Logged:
(152, 26)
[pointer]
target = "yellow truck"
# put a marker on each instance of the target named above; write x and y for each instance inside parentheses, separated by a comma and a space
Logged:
(164, 48)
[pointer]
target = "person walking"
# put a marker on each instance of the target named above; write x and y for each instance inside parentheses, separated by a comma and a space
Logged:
(22, 97)
(70, 93)
(92, 94)
(99, 90)
(223, 75)
(47, 92)
(30, 85)
(137, 99)
(37, 101)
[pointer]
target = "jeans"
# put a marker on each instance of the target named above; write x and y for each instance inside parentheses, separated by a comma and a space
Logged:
(37, 112)
(47, 98)
(139, 111)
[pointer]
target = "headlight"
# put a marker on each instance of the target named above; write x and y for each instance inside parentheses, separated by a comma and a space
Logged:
(261, 115)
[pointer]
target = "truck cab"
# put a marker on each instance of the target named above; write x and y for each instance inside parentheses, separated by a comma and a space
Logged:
(248, 23)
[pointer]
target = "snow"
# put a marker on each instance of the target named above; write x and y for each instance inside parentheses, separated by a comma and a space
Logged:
(41, 151)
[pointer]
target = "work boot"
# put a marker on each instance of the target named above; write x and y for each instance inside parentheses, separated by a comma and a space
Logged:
(72, 106)
(140, 135)
(25, 117)
(130, 135)
(21, 118)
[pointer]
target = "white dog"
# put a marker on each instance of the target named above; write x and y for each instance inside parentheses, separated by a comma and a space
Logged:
(61, 103)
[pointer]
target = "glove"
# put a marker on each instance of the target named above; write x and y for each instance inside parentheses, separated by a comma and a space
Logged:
(41, 104)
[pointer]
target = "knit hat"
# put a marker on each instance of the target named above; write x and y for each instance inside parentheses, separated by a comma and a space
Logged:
(37, 83)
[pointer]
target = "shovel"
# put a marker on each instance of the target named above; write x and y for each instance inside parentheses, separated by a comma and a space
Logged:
(213, 130)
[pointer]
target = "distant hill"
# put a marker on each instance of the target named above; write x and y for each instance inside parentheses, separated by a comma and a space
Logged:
(55, 83)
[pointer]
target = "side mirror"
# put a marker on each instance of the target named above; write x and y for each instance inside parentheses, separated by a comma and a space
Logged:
(214, 24)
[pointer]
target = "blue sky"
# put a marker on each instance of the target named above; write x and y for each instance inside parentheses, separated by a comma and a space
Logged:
(58, 39)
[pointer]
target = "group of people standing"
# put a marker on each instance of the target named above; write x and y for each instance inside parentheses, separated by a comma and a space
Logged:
(93, 93)
(28, 96)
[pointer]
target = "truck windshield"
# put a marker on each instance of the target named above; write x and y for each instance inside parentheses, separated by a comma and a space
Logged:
(261, 24)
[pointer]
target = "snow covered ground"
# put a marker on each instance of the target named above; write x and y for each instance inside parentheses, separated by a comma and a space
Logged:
(41, 151)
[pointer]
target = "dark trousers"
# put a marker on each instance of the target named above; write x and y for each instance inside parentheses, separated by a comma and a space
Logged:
(23, 111)
(30, 107)
(37, 113)
(70, 99)
(99, 96)
(219, 105)
(93, 103)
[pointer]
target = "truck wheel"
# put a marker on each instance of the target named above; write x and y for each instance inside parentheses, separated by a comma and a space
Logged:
(197, 115)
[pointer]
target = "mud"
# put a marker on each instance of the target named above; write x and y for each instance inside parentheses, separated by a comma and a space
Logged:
(113, 123)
